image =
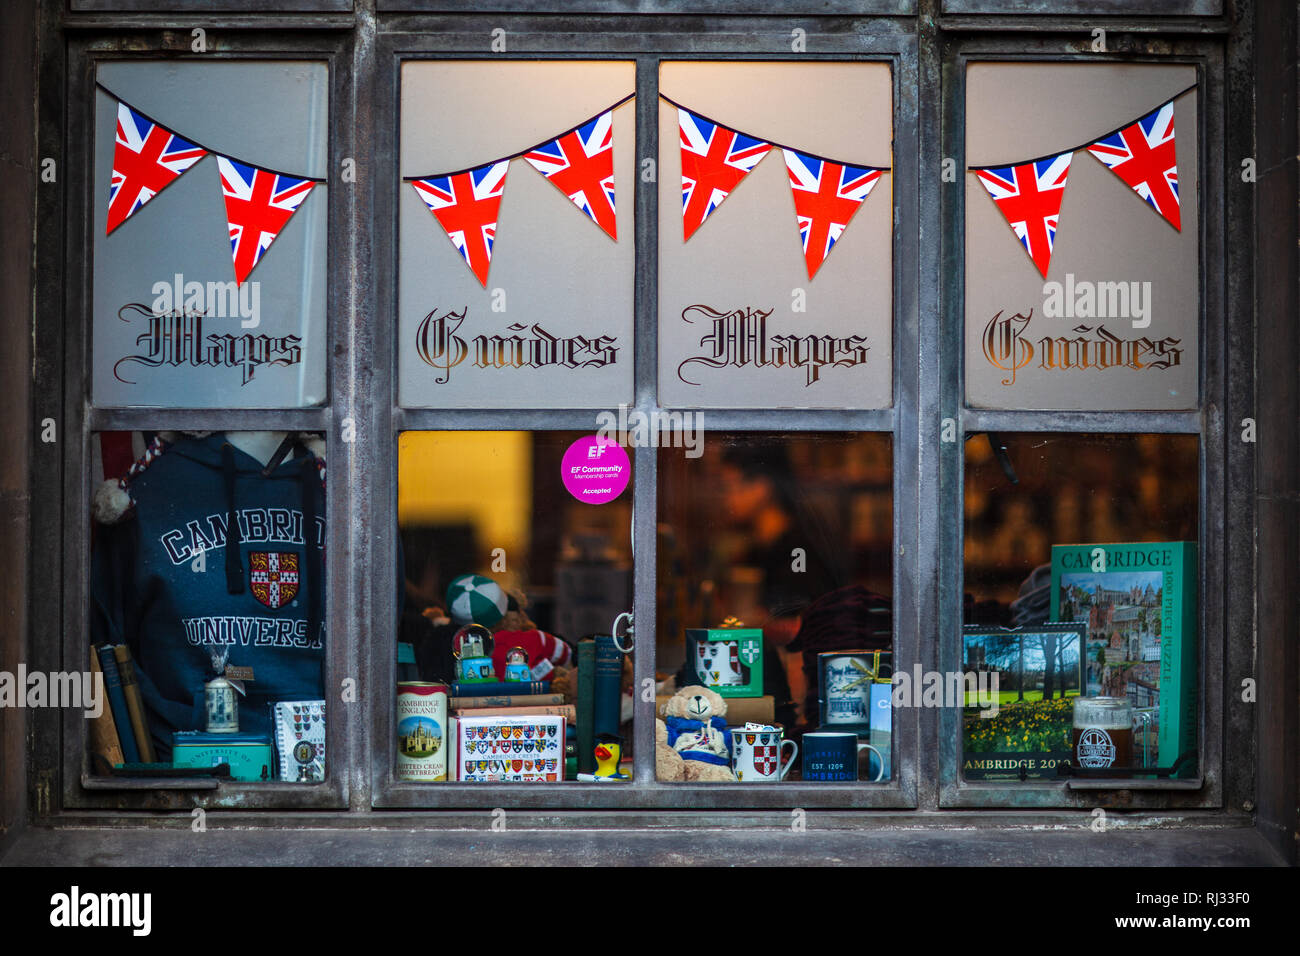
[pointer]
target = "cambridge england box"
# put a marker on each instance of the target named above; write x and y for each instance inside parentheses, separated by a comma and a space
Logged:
(1138, 602)
(526, 749)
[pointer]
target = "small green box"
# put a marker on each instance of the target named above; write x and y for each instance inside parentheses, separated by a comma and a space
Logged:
(727, 660)
(249, 755)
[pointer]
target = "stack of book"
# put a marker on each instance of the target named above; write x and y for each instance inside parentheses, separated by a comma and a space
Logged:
(508, 699)
(120, 734)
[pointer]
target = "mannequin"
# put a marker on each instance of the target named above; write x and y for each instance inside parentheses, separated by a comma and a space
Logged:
(259, 446)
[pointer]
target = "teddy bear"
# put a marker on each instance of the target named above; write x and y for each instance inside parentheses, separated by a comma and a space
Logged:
(669, 765)
(695, 728)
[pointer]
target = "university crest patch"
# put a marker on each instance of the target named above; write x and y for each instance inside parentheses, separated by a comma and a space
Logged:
(273, 577)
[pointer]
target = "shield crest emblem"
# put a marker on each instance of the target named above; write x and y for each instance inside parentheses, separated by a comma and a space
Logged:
(765, 760)
(516, 765)
(518, 746)
(273, 577)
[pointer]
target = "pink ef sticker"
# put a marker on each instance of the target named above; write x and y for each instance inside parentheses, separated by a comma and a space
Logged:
(595, 470)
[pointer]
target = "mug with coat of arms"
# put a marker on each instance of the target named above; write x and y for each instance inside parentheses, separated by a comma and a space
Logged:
(756, 753)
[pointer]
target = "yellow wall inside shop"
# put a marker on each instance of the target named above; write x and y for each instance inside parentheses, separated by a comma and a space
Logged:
(484, 478)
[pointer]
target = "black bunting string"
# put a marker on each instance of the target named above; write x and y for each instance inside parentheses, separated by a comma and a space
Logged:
(512, 156)
(205, 147)
(1087, 142)
(772, 142)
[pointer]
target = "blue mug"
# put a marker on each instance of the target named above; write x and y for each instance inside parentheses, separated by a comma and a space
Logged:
(832, 757)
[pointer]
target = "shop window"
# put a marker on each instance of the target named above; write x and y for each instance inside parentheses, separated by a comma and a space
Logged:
(209, 237)
(1081, 581)
(775, 235)
(513, 583)
(517, 234)
(774, 597)
(207, 607)
(1082, 278)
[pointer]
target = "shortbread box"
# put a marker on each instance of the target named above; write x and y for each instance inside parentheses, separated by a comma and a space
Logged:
(517, 749)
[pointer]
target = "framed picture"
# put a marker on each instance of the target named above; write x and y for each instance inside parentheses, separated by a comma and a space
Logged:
(1019, 690)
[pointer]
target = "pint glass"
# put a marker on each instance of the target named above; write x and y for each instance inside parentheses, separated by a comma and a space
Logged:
(1103, 733)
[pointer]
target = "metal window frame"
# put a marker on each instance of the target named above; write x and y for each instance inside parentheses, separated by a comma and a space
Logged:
(361, 51)
(1206, 790)
(82, 420)
(645, 792)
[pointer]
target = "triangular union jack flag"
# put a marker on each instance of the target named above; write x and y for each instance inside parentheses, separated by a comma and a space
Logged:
(1144, 156)
(466, 205)
(146, 160)
(580, 164)
(1030, 196)
(714, 161)
(826, 195)
(258, 205)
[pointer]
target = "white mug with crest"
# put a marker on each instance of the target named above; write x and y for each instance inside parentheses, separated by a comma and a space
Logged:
(756, 753)
(717, 663)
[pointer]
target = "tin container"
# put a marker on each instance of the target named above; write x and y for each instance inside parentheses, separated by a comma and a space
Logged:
(222, 704)
(422, 731)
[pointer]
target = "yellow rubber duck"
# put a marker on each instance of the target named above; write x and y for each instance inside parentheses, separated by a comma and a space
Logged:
(609, 748)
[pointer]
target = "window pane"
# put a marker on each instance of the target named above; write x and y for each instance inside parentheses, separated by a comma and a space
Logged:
(512, 293)
(1101, 531)
(210, 255)
(500, 557)
(208, 600)
(782, 296)
(775, 552)
(1082, 291)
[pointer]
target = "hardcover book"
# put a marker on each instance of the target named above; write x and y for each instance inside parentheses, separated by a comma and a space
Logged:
(1138, 603)
(104, 742)
(117, 701)
(586, 726)
(499, 688)
(1017, 696)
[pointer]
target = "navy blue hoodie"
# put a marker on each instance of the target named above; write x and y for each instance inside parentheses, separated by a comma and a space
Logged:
(261, 597)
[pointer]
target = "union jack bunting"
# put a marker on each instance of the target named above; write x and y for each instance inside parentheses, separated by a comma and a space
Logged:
(1029, 196)
(1144, 156)
(258, 205)
(466, 205)
(146, 160)
(580, 164)
(826, 195)
(714, 161)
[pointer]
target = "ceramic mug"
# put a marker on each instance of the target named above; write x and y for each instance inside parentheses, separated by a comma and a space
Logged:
(756, 755)
(830, 756)
(717, 663)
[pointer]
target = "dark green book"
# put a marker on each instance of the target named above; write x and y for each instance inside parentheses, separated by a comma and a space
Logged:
(586, 729)
(608, 695)
(1139, 604)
